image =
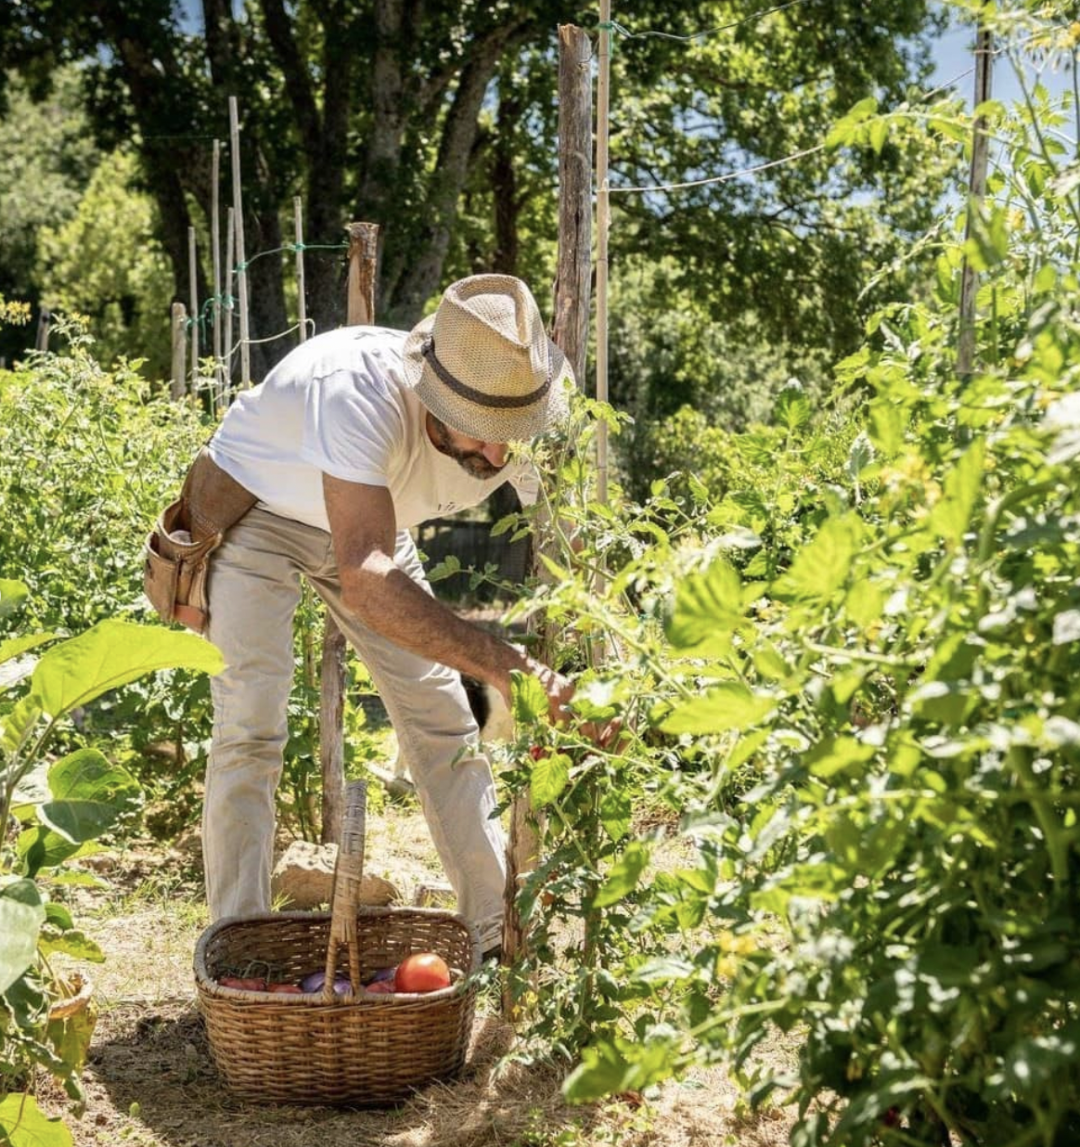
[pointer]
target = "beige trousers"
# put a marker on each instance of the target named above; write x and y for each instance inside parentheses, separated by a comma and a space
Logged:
(254, 589)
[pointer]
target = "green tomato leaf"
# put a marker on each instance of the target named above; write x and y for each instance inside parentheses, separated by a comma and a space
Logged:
(615, 814)
(112, 654)
(951, 516)
(528, 700)
(624, 876)
(729, 705)
(21, 917)
(12, 595)
(608, 1068)
(821, 567)
(707, 611)
(550, 776)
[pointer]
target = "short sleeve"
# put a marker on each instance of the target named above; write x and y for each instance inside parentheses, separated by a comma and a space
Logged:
(353, 429)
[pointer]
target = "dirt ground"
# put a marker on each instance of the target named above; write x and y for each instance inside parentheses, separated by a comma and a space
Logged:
(151, 1081)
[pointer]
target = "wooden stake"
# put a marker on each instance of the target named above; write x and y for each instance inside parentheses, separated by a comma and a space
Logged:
(570, 333)
(298, 226)
(41, 342)
(572, 281)
(227, 345)
(363, 257)
(980, 155)
(238, 223)
(179, 351)
(215, 247)
(360, 309)
(194, 285)
(602, 221)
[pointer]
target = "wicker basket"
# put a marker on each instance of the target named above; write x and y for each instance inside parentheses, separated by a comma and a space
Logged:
(320, 1048)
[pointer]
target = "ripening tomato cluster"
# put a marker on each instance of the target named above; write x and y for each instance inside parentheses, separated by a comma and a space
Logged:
(420, 972)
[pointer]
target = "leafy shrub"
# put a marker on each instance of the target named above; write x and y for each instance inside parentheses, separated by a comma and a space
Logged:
(874, 623)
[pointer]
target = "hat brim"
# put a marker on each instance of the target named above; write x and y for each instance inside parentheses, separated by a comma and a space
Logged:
(485, 423)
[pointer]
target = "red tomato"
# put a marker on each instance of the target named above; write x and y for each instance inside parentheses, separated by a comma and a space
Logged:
(381, 988)
(286, 989)
(422, 972)
(252, 984)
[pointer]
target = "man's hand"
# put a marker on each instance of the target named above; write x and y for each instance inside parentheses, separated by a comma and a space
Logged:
(560, 692)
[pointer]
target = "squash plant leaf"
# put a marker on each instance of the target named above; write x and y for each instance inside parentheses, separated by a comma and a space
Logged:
(89, 796)
(21, 917)
(24, 1124)
(111, 654)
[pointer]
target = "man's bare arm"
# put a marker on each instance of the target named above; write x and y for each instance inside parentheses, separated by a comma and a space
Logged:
(364, 526)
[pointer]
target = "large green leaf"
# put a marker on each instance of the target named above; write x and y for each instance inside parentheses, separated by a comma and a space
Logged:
(707, 611)
(23, 1124)
(111, 654)
(89, 796)
(21, 917)
(16, 645)
(40, 847)
(729, 705)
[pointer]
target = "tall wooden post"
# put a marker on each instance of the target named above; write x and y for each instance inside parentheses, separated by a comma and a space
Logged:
(238, 224)
(179, 351)
(570, 328)
(215, 248)
(570, 333)
(194, 285)
(41, 342)
(980, 155)
(603, 215)
(298, 229)
(227, 343)
(360, 309)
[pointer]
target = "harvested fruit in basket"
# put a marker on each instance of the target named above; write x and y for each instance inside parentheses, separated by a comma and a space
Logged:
(380, 988)
(422, 972)
(285, 989)
(244, 983)
(313, 982)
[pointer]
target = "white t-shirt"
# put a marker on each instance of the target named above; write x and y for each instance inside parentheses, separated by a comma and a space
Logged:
(337, 405)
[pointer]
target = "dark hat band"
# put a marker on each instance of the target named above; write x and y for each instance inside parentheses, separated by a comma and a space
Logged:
(498, 401)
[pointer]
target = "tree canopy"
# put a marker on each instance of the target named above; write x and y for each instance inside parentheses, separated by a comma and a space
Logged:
(437, 121)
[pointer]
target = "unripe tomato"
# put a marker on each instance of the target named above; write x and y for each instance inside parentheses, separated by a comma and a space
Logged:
(421, 972)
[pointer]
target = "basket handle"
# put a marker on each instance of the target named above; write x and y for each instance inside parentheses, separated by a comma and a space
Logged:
(345, 896)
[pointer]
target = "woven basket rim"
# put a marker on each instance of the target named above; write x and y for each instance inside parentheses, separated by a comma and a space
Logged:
(208, 985)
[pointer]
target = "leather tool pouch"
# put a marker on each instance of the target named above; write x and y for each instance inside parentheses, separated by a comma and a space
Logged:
(187, 533)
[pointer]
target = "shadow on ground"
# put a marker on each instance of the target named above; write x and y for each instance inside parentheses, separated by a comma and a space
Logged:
(151, 1080)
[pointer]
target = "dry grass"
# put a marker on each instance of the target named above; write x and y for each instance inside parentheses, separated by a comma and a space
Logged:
(151, 1081)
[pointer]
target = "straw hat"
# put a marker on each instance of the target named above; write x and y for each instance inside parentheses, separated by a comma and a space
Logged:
(483, 364)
